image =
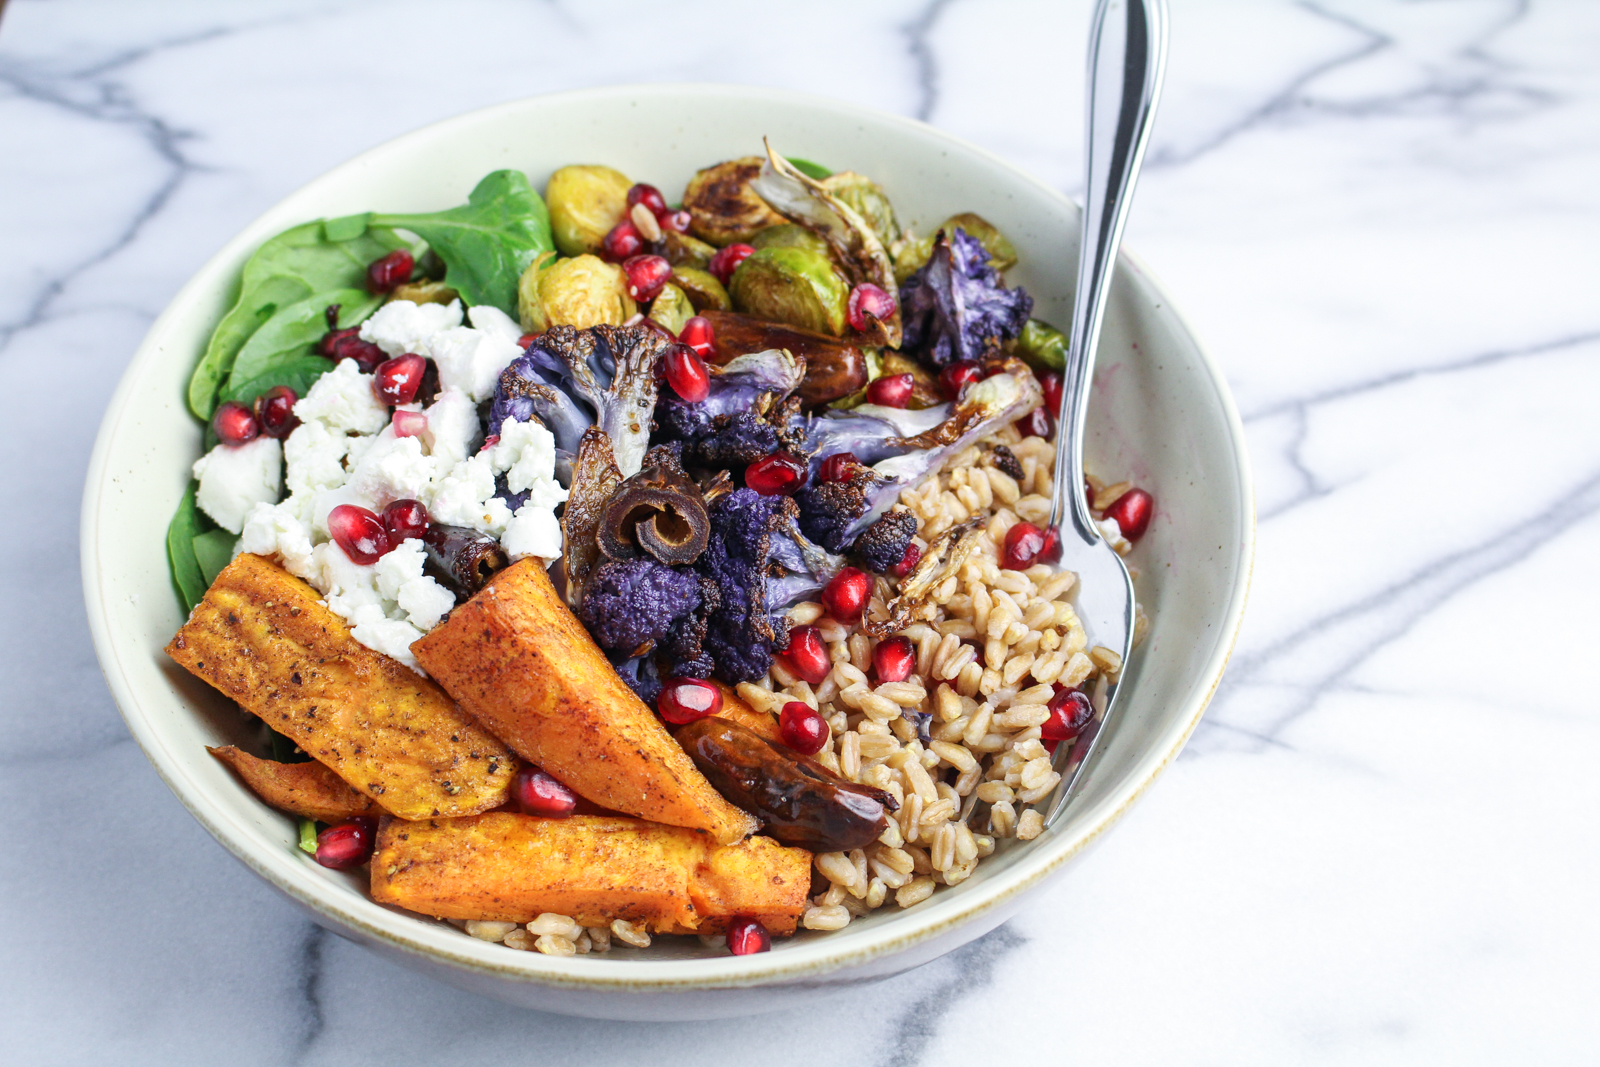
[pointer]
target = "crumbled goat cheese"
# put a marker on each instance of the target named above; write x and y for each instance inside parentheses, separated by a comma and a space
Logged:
(533, 531)
(235, 478)
(401, 326)
(343, 398)
(452, 426)
(314, 458)
(394, 468)
(471, 360)
(465, 497)
(276, 529)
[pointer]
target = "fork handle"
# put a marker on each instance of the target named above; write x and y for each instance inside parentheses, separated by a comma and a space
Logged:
(1127, 55)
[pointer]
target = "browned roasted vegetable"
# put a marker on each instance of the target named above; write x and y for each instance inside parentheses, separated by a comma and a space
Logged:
(926, 392)
(658, 511)
(945, 556)
(801, 801)
(594, 478)
(308, 789)
(265, 639)
(519, 660)
(834, 368)
(462, 558)
(723, 208)
(737, 709)
(683, 250)
(511, 868)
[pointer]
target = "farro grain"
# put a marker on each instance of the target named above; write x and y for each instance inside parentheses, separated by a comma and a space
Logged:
(489, 930)
(1002, 818)
(805, 613)
(905, 694)
(971, 677)
(758, 698)
(954, 755)
(520, 939)
(1042, 790)
(1077, 669)
(914, 892)
(825, 917)
(628, 934)
(1106, 660)
(1029, 825)
(551, 945)
(599, 937)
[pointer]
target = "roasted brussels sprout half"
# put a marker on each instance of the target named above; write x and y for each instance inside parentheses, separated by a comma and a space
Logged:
(911, 253)
(682, 250)
(671, 308)
(530, 309)
(584, 291)
(797, 286)
(867, 199)
(723, 208)
(1042, 346)
(585, 201)
(788, 235)
(702, 289)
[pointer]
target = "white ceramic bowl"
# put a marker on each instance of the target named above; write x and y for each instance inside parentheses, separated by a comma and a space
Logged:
(1161, 415)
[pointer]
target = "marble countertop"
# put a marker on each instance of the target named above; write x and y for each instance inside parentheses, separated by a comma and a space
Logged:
(1382, 218)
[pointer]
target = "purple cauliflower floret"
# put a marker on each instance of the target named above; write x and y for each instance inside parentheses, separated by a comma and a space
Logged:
(829, 510)
(883, 544)
(956, 307)
(642, 677)
(634, 603)
(735, 441)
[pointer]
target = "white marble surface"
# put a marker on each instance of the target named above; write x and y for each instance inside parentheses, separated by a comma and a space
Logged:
(1383, 218)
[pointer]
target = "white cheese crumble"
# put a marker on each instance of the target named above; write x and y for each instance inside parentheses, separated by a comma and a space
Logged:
(236, 478)
(346, 452)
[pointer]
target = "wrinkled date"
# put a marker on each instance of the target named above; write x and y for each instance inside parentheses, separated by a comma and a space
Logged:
(800, 800)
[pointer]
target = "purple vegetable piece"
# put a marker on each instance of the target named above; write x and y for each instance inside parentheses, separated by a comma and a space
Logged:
(956, 307)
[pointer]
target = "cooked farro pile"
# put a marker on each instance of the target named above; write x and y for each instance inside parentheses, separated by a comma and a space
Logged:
(608, 568)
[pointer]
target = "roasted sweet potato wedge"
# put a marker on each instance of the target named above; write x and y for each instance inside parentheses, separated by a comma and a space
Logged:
(516, 658)
(737, 709)
(594, 868)
(306, 789)
(264, 639)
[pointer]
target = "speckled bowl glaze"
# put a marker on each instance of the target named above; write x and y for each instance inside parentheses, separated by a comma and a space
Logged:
(1161, 415)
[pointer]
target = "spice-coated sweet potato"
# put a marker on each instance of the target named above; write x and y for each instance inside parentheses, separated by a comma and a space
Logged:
(519, 660)
(595, 868)
(264, 639)
(306, 789)
(737, 709)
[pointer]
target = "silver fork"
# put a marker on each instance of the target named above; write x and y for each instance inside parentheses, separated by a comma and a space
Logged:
(1127, 56)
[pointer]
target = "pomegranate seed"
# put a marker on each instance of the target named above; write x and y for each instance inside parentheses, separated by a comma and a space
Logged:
(1025, 542)
(347, 845)
(847, 594)
(779, 474)
(727, 260)
(746, 936)
(339, 344)
(677, 221)
(866, 300)
(1051, 552)
(1070, 713)
(892, 390)
(1132, 510)
(396, 380)
(684, 700)
(958, 375)
(838, 467)
(409, 424)
(359, 532)
(235, 424)
(807, 655)
(405, 519)
(894, 659)
(1036, 423)
(525, 342)
(908, 562)
(489, 442)
(646, 276)
(1051, 383)
(802, 728)
(623, 242)
(275, 411)
(698, 334)
(650, 197)
(539, 794)
(394, 269)
(686, 372)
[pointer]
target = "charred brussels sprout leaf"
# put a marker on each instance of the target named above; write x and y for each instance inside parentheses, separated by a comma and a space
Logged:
(583, 292)
(797, 286)
(671, 308)
(1042, 345)
(585, 202)
(682, 250)
(867, 198)
(530, 308)
(487, 242)
(788, 235)
(723, 208)
(702, 289)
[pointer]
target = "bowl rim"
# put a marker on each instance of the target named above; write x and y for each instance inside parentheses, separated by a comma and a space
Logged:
(301, 883)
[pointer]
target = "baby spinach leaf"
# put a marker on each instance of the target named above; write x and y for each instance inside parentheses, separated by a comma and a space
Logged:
(346, 227)
(487, 242)
(188, 579)
(293, 266)
(213, 550)
(294, 329)
(815, 171)
(298, 373)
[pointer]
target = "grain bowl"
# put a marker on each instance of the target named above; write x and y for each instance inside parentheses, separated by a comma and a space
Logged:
(1160, 415)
